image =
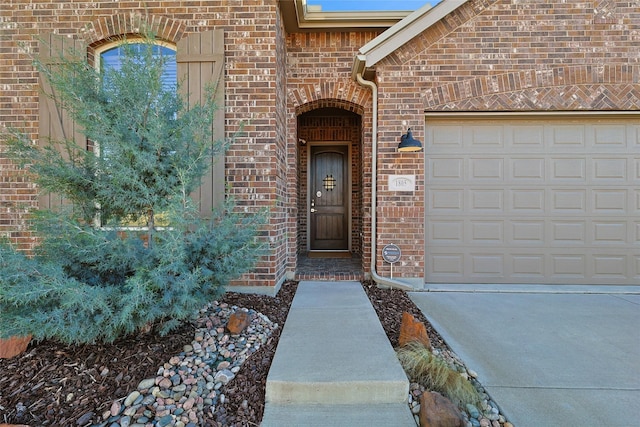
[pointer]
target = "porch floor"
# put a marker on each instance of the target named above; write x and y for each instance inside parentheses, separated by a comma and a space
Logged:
(329, 268)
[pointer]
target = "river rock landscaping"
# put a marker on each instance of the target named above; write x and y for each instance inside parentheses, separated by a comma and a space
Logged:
(198, 375)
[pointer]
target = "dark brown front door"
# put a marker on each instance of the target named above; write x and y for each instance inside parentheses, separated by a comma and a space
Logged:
(329, 197)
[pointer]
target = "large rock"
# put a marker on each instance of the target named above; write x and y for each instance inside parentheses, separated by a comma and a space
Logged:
(13, 346)
(438, 411)
(238, 321)
(413, 330)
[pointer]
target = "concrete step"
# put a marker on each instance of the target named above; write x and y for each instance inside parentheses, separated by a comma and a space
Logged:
(388, 415)
(333, 357)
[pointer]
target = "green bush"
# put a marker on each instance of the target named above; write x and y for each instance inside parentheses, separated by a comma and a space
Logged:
(91, 279)
(424, 368)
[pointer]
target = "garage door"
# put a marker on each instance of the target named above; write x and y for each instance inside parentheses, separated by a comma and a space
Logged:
(532, 199)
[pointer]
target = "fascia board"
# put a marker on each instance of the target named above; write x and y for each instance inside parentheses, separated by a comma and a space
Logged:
(405, 30)
(308, 19)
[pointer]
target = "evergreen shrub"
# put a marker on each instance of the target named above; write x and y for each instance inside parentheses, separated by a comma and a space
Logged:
(129, 250)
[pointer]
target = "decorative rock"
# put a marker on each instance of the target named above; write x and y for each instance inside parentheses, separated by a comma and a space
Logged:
(84, 419)
(473, 411)
(185, 387)
(146, 384)
(13, 346)
(189, 404)
(131, 398)
(238, 321)
(116, 408)
(224, 376)
(165, 421)
(438, 411)
(165, 383)
(413, 330)
(223, 365)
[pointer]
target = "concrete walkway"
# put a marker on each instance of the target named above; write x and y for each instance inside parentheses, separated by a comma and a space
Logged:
(548, 359)
(334, 365)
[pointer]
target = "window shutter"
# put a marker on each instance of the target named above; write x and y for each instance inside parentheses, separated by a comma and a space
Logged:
(200, 59)
(55, 124)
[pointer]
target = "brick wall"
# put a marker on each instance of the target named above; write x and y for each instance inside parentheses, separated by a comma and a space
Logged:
(488, 55)
(253, 36)
(498, 55)
(318, 74)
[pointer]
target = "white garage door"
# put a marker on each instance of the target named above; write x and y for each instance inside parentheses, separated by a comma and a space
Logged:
(533, 199)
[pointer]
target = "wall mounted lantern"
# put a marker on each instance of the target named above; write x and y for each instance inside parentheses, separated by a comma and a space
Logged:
(408, 143)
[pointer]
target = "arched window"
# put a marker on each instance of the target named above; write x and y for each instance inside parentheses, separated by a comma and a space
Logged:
(111, 58)
(196, 61)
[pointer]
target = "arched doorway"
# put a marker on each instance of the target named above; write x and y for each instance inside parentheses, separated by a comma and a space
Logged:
(330, 194)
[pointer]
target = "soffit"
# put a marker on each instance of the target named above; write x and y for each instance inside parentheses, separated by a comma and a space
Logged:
(298, 17)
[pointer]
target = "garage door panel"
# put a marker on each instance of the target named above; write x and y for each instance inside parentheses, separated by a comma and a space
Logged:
(609, 233)
(568, 232)
(486, 136)
(445, 200)
(444, 231)
(533, 201)
(609, 201)
(525, 138)
(487, 169)
(446, 136)
(485, 201)
(528, 266)
(527, 201)
(568, 169)
(568, 201)
(446, 266)
(608, 169)
(486, 264)
(611, 137)
(486, 232)
(527, 232)
(570, 138)
(527, 170)
(568, 265)
(446, 169)
(610, 266)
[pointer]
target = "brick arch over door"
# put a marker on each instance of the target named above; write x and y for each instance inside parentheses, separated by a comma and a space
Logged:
(343, 94)
(107, 27)
(586, 87)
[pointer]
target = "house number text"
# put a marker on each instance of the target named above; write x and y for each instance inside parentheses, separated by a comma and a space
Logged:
(402, 182)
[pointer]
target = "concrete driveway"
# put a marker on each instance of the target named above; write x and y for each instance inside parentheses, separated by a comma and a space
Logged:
(548, 356)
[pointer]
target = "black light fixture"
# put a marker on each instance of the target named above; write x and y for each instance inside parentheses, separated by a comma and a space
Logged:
(408, 143)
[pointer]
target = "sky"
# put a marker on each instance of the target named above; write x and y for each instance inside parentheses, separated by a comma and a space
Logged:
(370, 5)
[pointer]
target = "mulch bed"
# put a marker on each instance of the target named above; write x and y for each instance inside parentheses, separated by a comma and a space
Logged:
(58, 385)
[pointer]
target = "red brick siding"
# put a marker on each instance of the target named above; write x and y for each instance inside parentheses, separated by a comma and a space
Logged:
(256, 161)
(319, 69)
(488, 55)
(498, 55)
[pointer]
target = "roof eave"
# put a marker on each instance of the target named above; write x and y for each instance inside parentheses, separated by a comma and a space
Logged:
(401, 33)
(298, 18)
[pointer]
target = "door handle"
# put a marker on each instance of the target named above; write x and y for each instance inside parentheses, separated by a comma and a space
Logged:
(312, 210)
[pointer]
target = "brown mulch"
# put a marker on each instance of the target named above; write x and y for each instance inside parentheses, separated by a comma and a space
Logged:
(57, 385)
